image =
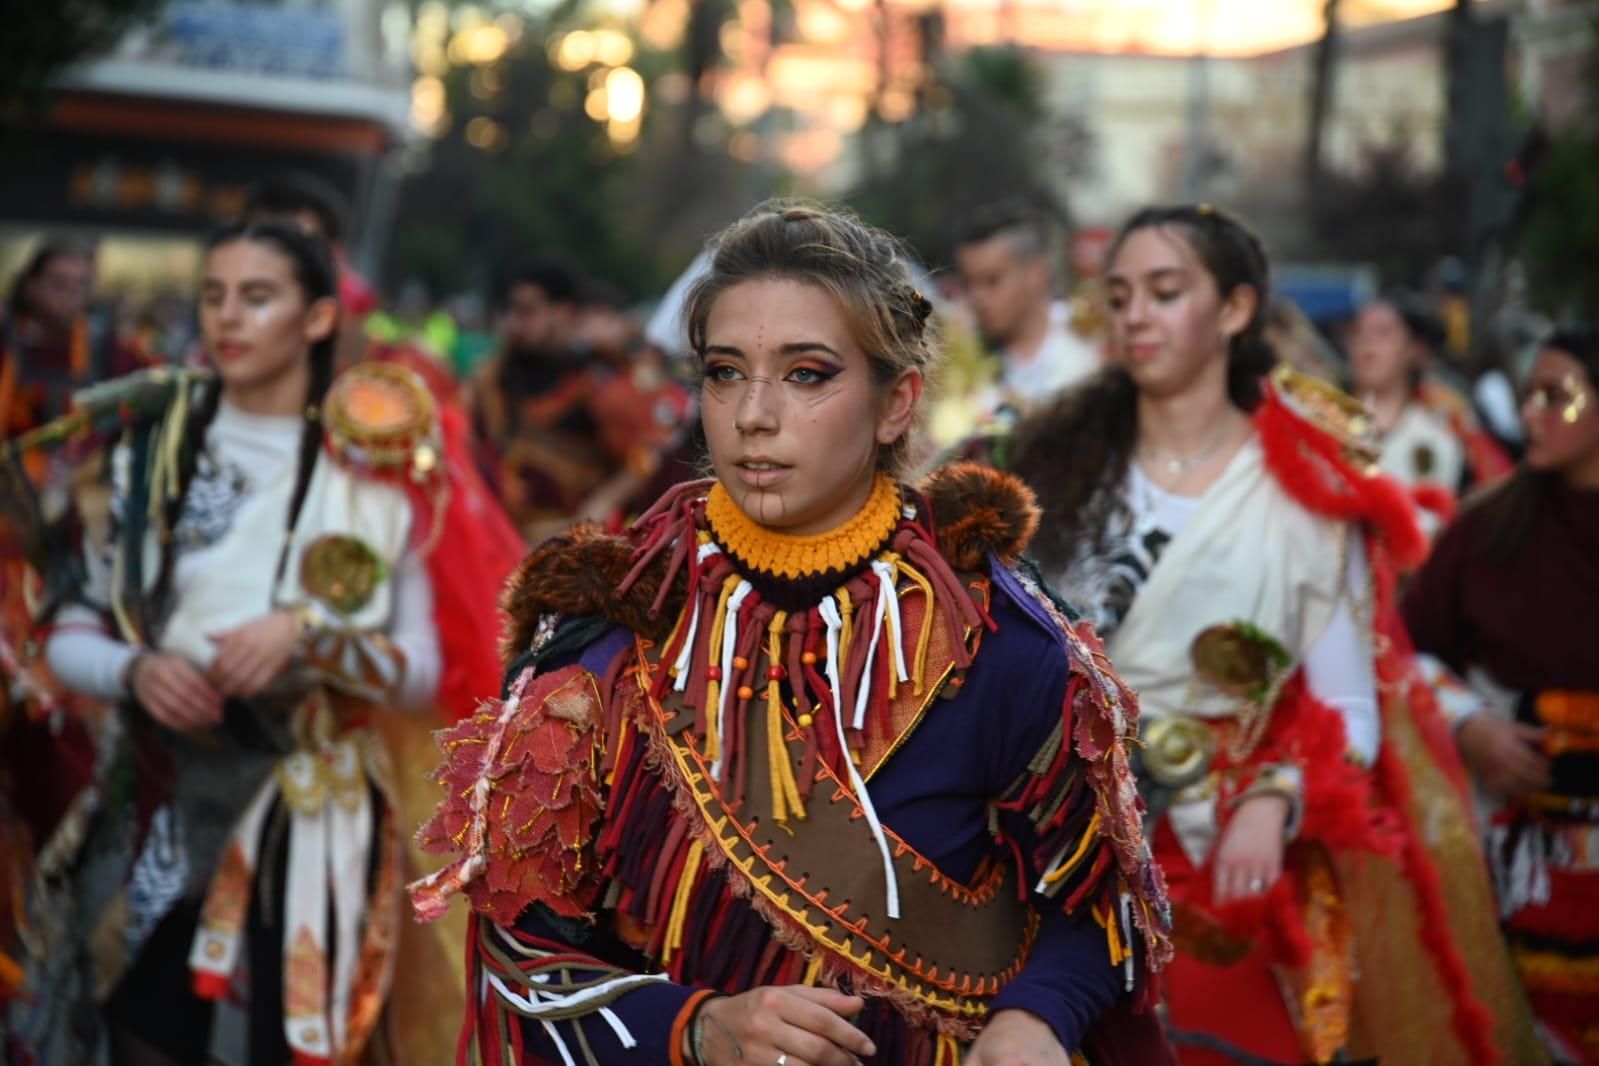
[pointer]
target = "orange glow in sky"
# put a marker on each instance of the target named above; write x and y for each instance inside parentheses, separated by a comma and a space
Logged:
(1222, 27)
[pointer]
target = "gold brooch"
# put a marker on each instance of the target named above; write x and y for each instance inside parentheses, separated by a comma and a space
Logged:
(341, 571)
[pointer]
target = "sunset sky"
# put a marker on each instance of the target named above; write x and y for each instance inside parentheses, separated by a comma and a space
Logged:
(1223, 27)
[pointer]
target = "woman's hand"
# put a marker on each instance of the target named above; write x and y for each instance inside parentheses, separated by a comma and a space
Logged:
(1016, 1038)
(1249, 858)
(1506, 757)
(173, 692)
(251, 656)
(801, 1025)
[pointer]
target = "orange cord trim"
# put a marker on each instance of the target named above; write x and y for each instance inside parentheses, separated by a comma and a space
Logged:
(685, 1018)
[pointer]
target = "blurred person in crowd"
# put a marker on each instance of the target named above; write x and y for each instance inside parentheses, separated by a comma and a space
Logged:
(50, 344)
(1298, 343)
(166, 330)
(1213, 514)
(1454, 312)
(312, 204)
(294, 560)
(411, 319)
(530, 402)
(1005, 259)
(366, 334)
(1390, 343)
(643, 413)
(474, 339)
(1431, 438)
(1506, 599)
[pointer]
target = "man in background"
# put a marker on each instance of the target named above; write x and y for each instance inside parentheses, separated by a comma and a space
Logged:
(538, 440)
(1005, 263)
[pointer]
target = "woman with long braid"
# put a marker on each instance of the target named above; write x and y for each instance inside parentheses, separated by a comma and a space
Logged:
(270, 591)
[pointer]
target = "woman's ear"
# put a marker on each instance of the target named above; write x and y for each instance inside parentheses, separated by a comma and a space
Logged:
(898, 409)
(1238, 309)
(321, 319)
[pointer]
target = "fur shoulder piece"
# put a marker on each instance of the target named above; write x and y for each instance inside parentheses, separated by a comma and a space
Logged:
(979, 511)
(1321, 449)
(577, 574)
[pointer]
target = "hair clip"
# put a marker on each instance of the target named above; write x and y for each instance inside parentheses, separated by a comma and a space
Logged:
(1204, 209)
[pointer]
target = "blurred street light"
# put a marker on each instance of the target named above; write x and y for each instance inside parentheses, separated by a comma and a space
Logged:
(428, 111)
(612, 47)
(624, 95)
(574, 51)
(484, 133)
(485, 43)
(745, 99)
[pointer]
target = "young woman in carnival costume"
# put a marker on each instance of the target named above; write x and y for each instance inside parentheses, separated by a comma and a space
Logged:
(1502, 600)
(802, 770)
(1431, 440)
(293, 558)
(1222, 525)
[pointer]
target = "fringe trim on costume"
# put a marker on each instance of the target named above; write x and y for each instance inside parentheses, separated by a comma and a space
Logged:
(1094, 855)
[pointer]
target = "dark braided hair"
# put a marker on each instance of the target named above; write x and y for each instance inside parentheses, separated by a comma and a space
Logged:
(1075, 452)
(313, 268)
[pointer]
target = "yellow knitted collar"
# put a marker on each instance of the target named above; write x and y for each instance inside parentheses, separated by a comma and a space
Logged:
(796, 557)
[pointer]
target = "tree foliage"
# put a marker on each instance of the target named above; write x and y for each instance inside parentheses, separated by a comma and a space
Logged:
(1561, 228)
(38, 40)
(552, 181)
(980, 135)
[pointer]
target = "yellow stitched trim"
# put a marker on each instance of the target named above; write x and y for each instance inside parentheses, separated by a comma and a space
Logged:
(1090, 835)
(783, 555)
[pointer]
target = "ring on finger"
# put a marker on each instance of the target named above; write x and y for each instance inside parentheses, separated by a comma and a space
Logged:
(782, 1058)
(1257, 886)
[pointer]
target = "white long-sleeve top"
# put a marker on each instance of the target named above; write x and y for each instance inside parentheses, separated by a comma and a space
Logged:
(242, 451)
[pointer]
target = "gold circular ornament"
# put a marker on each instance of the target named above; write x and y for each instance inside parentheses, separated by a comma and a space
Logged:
(381, 415)
(1237, 659)
(1177, 751)
(341, 571)
(1424, 460)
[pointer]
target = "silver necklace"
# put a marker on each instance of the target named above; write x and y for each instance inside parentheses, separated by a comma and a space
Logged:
(1179, 465)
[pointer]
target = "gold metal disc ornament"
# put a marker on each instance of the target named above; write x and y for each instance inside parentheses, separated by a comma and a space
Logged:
(341, 571)
(1177, 751)
(1238, 659)
(382, 415)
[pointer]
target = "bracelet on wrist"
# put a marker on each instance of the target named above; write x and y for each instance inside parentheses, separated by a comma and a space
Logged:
(130, 671)
(696, 1031)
